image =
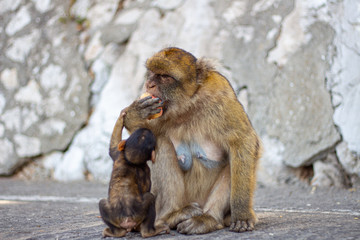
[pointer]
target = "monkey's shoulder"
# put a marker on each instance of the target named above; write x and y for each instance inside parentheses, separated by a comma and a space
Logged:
(218, 86)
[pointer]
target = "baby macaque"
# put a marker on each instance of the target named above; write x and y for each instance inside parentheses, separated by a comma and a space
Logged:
(130, 205)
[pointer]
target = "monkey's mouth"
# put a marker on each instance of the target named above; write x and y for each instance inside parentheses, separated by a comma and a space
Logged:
(165, 106)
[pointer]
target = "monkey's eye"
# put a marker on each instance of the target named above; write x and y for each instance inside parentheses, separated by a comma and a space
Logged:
(164, 78)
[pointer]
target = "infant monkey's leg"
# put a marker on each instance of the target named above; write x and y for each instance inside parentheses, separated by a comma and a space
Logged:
(105, 212)
(115, 232)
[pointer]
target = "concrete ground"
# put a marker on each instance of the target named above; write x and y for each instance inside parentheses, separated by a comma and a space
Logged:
(51, 210)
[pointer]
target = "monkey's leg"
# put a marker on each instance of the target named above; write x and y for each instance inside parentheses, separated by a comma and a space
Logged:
(243, 217)
(168, 186)
(216, 205)
(105, 213)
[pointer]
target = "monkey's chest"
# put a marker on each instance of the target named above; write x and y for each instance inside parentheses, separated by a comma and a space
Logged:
(209, 154)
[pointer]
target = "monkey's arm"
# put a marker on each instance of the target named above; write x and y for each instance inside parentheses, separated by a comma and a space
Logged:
(139, 111)
(117, 134)
(243, 161)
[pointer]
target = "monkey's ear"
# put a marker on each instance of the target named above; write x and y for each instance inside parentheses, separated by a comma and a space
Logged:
(153, 156)
(121, 145)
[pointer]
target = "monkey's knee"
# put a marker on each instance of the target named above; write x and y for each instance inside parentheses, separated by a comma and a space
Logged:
(148, 200)
(104, 208)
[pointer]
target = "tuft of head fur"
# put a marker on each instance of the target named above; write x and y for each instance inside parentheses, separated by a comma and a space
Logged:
(182, 66)
(174, 62)
(203, 67)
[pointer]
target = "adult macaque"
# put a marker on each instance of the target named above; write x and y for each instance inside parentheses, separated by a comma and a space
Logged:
(207, 150)
(130, 205)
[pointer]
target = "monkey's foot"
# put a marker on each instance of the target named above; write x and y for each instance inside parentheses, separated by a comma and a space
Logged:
(117, 232)
(183, 214)
(243, 225)
(161, 229)
(199, 225)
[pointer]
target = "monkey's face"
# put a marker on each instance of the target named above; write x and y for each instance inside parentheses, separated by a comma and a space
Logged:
(162, 86)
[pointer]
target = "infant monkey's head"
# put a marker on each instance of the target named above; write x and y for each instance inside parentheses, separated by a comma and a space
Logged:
(140, 147)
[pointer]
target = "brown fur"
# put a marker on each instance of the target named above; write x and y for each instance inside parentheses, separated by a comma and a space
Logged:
(130, 205)
(199, 106)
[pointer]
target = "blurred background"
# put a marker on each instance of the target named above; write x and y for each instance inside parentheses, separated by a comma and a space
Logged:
(67, 69)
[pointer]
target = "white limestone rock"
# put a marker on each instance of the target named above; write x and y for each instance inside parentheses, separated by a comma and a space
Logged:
(9, 5)
(293, 35)
(44, 86)
(2, 130)
(94, 48)
(20, 48)
(71, 167)
(29, 117)
(2, 103)
(102, 72)
(53, 77)
(81, 8)
(167, 4)
(29, 94)
(236, 10)
(327, 173)
(19, 21)
(271, 169)
(9, 78)
(27, 146)
(101, 13)
(263, 5)
(43, 5)
(12, 119)
(349, 160)
(52, 127)
(344, 80)
(7, 161)
(129, 16)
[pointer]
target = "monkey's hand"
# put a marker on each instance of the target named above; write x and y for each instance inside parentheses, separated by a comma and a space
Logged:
(187, 212)
(199, 225)
(141, 110)
(243, 225)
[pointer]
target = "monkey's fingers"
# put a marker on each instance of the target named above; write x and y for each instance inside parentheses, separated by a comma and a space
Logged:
(149, 101)
(142, 100)
(199, 225)
(149, 108)
(242, 226)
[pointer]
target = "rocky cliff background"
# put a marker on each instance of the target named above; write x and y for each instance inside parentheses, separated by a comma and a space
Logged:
(67, 68)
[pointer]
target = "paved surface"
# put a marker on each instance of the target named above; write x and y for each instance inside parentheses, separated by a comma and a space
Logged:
(50, 210)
